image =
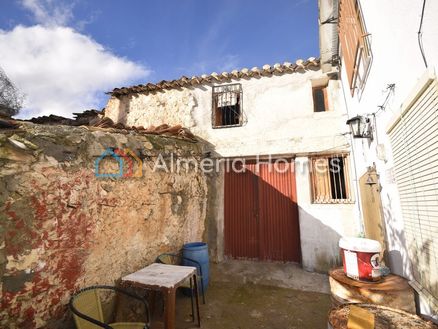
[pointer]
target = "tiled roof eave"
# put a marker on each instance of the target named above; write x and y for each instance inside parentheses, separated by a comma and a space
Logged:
(266, 70)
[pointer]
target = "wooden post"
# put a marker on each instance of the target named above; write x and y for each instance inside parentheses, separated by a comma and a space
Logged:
(372, 207)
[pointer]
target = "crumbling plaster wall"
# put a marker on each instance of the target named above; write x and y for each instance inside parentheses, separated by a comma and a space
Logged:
(278, 115)
(62, 228)
(174, 107)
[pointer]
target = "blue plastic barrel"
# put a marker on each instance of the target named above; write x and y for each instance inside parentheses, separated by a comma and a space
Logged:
(198, 251)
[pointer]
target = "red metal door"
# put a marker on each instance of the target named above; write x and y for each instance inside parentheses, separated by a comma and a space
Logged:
(261, 214)
(241, 230)
(278, 213)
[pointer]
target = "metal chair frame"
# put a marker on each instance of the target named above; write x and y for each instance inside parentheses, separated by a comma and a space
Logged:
(180, 258)
(104, 287)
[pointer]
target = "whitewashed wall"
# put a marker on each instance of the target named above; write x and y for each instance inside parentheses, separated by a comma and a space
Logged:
(279, 120)
(278, 111)
(322, 225)
(393, 25)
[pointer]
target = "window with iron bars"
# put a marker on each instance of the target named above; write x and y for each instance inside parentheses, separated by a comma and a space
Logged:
(330, 180)
(227, 106)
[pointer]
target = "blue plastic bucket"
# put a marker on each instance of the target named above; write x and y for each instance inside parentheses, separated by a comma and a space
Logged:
(198, 251)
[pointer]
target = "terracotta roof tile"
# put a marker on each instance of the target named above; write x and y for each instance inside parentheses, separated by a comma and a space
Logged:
(184, 81)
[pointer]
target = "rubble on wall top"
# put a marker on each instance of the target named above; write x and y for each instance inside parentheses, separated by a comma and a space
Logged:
(265, 70)
(96, 120)
(163, 129)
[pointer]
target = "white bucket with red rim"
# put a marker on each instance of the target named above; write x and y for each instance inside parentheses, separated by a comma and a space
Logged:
(361, 258)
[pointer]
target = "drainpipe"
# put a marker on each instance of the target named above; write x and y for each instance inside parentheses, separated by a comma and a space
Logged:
(328, 34)
(358, 196)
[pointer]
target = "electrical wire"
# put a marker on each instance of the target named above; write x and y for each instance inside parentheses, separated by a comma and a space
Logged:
(420, 35)
(389, 89)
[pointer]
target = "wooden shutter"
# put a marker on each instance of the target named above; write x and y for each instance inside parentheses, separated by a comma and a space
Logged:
(414, 140)
(351, 37)
(321, 189)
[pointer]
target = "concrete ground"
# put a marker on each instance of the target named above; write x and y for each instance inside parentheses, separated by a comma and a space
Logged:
(283, 275)
(245, 294)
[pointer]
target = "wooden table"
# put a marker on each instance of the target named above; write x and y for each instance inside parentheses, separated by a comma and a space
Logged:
(165, 278)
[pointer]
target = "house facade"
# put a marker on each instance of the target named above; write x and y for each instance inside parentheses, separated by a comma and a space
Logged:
(290, 113)
(389, 55)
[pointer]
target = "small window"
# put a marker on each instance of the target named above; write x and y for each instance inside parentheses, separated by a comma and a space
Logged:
(227, 106)
(320, 99)
(330, 179)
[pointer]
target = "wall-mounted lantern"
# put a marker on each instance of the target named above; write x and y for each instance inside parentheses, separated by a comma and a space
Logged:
(360, 127)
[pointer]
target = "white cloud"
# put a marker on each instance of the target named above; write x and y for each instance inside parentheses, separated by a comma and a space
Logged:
(49, 12)
(225, 63)
(60, 70)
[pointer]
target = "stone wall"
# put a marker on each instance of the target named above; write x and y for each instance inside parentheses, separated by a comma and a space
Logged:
(174, 106)
(63, 228)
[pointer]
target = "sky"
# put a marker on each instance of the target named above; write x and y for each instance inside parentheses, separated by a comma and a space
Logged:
(64, 55)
